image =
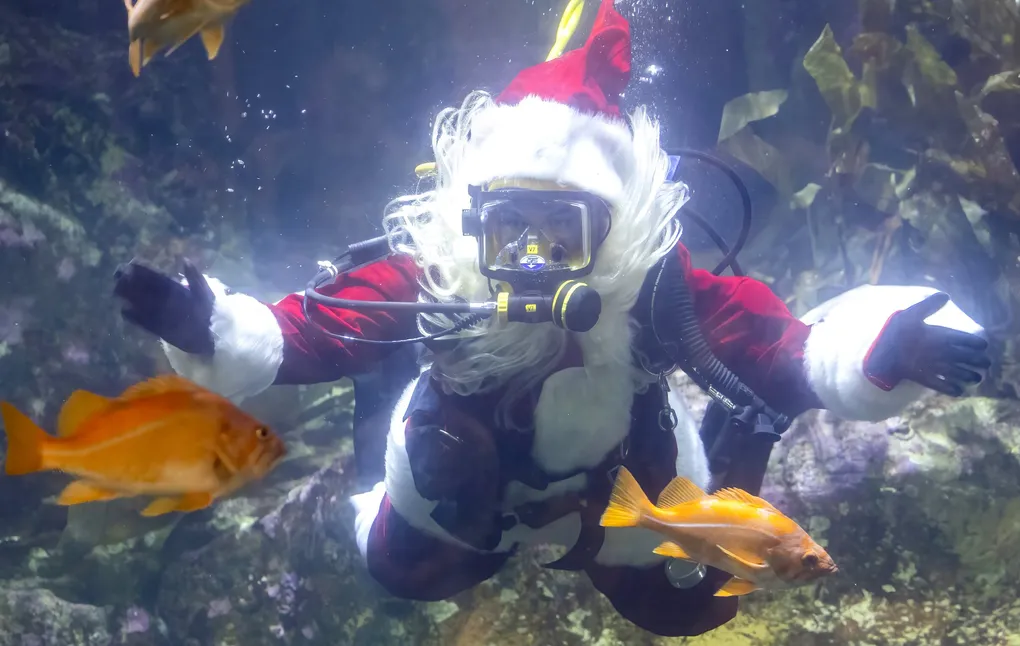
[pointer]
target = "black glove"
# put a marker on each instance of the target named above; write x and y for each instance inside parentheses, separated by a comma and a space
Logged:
(178, 314)
(936, 357)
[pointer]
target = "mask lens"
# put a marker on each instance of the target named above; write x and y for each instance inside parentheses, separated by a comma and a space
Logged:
(535, 233)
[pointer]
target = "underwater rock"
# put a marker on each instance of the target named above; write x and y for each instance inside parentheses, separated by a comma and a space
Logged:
(38, 618)
(921, 514)
(293, 576)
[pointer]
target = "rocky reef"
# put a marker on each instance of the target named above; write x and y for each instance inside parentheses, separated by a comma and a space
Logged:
(891, 148)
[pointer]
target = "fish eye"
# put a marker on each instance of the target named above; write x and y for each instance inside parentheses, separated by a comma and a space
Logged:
(810, 560)
(262, 432)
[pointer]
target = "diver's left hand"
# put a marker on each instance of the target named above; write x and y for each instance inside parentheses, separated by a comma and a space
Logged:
(936, 357)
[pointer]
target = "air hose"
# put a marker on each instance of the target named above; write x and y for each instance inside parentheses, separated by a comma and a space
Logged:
(676, 329)
(363, 253)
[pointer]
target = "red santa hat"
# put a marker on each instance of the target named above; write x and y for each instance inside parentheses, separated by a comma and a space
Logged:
(560, 120)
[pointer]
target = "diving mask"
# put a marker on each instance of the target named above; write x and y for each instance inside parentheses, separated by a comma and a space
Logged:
(533, 238)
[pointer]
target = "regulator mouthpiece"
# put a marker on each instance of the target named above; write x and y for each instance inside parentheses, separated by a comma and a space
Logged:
(575, 307)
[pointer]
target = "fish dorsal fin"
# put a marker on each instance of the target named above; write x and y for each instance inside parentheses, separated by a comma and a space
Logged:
(159, 385)
(80, 406)
(679, 491)
(739, 495)
(747, 560)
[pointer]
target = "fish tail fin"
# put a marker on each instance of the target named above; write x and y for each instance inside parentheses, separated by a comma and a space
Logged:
(25, 442)
(628, 504)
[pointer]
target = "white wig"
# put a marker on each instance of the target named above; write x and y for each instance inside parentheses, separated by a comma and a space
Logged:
(538, 139)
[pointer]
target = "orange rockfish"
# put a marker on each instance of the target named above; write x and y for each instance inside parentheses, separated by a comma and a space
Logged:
(165, 437)
(156, 24)
(730, 530)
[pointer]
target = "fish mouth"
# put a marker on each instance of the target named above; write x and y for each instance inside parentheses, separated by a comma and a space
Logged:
(268, 457)
(821, 572)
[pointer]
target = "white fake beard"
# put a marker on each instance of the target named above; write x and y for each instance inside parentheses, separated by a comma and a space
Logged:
(518, 356)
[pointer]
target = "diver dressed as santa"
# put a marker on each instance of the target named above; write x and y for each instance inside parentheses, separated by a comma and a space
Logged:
(544, 274)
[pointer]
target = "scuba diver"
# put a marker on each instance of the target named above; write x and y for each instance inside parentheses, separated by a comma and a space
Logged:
(544, 276)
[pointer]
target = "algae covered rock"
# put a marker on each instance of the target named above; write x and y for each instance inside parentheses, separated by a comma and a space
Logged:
(920, 513)
(37, 617)
(295, 576)
(292, 576)
(908, 175)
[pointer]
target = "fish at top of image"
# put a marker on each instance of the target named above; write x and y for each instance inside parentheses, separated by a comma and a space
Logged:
(165, 437)
(730, 530)
(157, 24)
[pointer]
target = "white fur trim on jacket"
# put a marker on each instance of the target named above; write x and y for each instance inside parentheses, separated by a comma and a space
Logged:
(546, 140)
(366, 509)
(399, 483)
(633, 546)
(623, 546)
(248, 347)
(843, 330)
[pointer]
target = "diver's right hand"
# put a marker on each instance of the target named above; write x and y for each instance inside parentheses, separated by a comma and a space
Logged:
(178, 313)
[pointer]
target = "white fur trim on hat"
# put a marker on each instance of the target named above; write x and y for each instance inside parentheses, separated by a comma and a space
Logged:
(546, 140)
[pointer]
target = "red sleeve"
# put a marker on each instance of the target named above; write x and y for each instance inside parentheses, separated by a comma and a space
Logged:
(753, 333)
(309, 356)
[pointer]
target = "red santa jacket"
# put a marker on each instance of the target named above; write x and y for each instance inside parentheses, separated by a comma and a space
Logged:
(749, 329)
(747, 326)
(792, 365)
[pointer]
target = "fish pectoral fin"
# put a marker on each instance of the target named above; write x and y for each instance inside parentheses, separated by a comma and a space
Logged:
(80, 491)
(679, 491)
(755, 564)
(672, 550)
(736, 587)
(212, 39)
(186, 502)
(223, 463)
(80, 406)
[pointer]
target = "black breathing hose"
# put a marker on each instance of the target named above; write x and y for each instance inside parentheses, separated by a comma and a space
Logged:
(372, 250)
(326, 275)
(730, 256)
(729, 260)
(684, 333)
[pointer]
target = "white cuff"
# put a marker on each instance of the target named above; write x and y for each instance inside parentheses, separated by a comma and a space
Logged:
(843, 330)
(366, 509)
(248, 347)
